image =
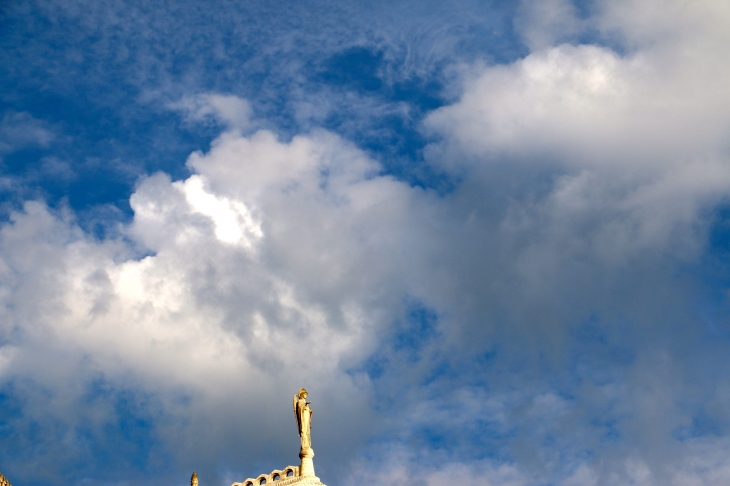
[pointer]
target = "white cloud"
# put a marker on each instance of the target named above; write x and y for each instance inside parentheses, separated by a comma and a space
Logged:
(543, 23)
(271, 269)
(586, 106)
(636, 144)
(667, 26)
(18, 130)
(228, 110)
(703, 462)
(232, 219)
(400, 468)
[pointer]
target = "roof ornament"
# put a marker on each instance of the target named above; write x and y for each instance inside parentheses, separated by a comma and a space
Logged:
(292, 475)
(303, 414)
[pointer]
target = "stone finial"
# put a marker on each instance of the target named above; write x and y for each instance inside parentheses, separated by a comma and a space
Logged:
(194, 479)
(4, 481)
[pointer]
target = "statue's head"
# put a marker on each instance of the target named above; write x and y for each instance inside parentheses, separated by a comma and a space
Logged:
(302, 393)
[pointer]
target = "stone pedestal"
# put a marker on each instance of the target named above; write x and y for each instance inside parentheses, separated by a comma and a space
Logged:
(306, 468)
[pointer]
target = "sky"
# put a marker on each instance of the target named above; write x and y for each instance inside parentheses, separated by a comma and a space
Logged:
(491, 238)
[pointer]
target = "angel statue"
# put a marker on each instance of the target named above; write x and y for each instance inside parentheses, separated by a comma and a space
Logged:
(304, 418)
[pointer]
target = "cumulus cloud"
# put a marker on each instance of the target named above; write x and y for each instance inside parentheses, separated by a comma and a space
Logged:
(636, 143)
(268, 269)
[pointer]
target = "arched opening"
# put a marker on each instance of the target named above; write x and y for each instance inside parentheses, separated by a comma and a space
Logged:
(262, 481)
(276, 477)
(289, 473)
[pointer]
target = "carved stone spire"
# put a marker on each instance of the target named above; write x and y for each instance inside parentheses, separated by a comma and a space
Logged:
(4, 481)
(194, 479)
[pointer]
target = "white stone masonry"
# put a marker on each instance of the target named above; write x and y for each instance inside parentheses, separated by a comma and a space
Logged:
(282, 477)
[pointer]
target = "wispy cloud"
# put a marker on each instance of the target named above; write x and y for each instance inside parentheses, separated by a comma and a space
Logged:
(18, 130)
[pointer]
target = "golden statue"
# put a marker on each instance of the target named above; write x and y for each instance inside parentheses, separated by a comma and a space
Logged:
(303, 413)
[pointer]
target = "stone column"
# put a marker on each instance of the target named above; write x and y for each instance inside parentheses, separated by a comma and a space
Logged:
(306, 468)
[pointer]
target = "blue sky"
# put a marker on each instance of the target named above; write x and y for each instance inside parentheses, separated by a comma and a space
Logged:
(490, 238)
